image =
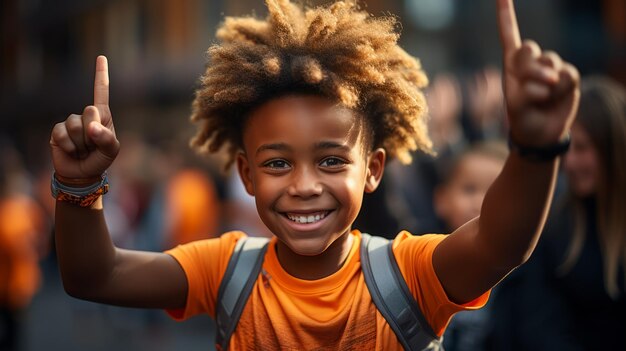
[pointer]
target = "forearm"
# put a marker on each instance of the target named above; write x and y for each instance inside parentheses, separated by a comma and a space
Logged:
(515, 209)
(83, 147)
(85, 251)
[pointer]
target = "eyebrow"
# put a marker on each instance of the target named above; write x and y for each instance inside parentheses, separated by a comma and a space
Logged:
(331, 145)
(322, 145)
(276, 147)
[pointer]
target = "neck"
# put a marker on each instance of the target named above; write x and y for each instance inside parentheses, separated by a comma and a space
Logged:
(318, 266)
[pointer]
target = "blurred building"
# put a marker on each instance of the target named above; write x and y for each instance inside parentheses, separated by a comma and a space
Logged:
(156, 50)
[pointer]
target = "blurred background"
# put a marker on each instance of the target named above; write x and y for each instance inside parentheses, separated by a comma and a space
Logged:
(162, 194)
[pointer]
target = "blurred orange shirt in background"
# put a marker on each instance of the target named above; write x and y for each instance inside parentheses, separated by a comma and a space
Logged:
(21, 229)
(193, 207)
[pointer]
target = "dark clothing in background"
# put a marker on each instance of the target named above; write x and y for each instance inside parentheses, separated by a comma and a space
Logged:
(8, 329)
(535, 308)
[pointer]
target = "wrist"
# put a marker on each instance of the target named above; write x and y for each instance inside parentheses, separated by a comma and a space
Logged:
(544, 153)
(81, 192)
(77, 182)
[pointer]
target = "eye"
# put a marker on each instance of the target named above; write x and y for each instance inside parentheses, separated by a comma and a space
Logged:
(276, 164)
(332, 162)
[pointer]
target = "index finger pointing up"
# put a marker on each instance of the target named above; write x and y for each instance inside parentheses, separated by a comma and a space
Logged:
(101, 83)
(507, 24)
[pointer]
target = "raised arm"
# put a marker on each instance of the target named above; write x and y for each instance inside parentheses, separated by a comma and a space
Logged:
(542, 95)
(92, 268)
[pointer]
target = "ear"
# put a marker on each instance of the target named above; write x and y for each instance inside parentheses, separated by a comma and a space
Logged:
(243, 167)
(375, 169)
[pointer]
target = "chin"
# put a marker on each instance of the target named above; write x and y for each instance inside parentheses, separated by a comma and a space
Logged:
(307, 247)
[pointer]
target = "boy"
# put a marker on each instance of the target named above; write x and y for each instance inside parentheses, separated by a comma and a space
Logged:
(310, 104)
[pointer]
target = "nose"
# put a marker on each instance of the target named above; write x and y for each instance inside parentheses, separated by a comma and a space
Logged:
(305, 183)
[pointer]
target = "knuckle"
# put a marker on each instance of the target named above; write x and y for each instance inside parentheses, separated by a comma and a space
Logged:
(553, 57)
(74, 125)
(573, 71)
(59, 131)
(72, 118)
(74, 128)
(551, 54)
(88, 109)
(530, 46)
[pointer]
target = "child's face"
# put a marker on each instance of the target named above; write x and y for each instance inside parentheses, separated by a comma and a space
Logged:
(460, 199)
(306, 166)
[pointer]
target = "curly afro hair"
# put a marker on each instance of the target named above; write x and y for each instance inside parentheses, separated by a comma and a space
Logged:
(337, 51)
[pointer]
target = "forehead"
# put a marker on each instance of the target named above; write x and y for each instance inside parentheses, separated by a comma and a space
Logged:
(301, 120)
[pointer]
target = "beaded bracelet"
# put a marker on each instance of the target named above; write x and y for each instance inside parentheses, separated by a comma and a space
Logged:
(67, 189)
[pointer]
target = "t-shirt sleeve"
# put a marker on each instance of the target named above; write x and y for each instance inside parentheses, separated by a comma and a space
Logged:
(414, 255)
(204, 263)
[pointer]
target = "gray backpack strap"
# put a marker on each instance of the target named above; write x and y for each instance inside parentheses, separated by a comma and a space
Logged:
(392, 296)
(241, 273)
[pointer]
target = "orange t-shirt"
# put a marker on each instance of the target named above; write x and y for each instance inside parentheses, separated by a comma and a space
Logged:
(335, 312)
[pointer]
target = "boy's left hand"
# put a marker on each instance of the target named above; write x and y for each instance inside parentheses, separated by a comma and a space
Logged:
(541, 90)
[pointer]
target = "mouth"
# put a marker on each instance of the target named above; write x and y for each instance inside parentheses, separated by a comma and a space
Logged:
(306, 218)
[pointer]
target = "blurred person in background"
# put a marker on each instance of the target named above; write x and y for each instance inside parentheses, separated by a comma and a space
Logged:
(193, 208)
(457, 200)
(463, 110)
(483, 108)
(572, 293)
(465, 180)
(22, 229)
(408, 189)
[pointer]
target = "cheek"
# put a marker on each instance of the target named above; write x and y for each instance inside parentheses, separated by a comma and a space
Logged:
(468, 205)
(458, 203)
(582, 163)
(593, 172)
(347, 189)
(583, 170)
(353, 187)
(460, 211)
(267, 189)
(351, 190)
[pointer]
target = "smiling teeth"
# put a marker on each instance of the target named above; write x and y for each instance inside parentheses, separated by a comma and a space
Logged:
(306, 219)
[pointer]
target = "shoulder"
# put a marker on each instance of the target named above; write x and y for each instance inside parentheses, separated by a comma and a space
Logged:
(215, 251)
(225, 240)
(414, 255)
(204, 263)
(406, 243)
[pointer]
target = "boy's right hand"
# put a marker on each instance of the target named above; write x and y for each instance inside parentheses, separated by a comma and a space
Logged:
(84, 146)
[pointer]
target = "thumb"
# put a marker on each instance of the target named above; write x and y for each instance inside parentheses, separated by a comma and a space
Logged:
(104, 139)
